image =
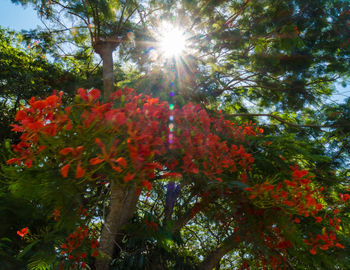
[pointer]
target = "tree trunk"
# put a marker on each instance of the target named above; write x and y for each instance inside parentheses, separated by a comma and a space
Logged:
(108, 75)
(122, 207)
(123, 199)
(213, 258)
(105, 50)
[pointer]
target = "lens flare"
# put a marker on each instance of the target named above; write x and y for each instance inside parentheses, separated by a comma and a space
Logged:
(172, 40)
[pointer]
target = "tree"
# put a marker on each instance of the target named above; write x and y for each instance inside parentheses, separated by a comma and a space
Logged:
(238, 61)
(215, 171)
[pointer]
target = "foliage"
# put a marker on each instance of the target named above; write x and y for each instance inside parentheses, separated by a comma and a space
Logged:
(70, 151)
(26, 73)
(210, 193)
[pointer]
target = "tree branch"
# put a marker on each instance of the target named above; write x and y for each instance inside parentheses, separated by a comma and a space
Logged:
(282, 120)
(214, 257)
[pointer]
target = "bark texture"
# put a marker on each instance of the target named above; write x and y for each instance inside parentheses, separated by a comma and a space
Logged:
(105, 50)
(122, 207)
(123, 199)
(214, 257)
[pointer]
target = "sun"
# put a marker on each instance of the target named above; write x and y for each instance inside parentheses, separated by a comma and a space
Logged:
(171, 40)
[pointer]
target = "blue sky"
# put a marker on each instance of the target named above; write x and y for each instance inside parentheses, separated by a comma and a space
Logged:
(17, 17)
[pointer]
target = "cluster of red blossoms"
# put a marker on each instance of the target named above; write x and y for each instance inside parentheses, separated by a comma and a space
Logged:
(297, 194)
(74, 243)
(299, 197)
(126, 139)
(129, 135)
(23, 232)
(40, 118)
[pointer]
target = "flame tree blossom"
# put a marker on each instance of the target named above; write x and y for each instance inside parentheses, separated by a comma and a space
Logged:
(90, 144)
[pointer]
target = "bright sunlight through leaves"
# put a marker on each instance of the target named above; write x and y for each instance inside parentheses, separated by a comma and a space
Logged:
(172, 40)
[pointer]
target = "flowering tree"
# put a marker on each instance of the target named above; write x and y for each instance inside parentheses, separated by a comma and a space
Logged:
(82, 159)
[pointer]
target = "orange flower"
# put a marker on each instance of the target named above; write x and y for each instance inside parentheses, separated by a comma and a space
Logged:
(128, 177)
(313, 251)
(296, 220)
(64, 170)
(95, 161)
(147, 184)
(20, 115)
(117, 169)
(339, 245)
(94, 94)
(80, 171)
(69, 125)
(122, 162)
(40, 104)
(13, 160)
(67, 150)
(318, 219)
(23, 232)
(56, 214)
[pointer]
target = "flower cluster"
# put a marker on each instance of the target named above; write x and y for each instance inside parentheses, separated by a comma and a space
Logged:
(299, 198)
(296, 195)
(208, 145)
(41, 118)
(74, 250)
(23, 232)
(137, 125)
(323, 241)
(126, 140)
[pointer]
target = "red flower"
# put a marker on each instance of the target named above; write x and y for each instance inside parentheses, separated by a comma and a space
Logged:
(117, 169)
(299, 174)
(94, 243)
(313, 251)
(13, 160)
(82, 94)
(318, 219)
(122, 162)
(64, 170)
(80, 171)
(94, 94)
(68, 126)
(339, 245)
(56, 214)
(94, 253)
(52, 100)
(172, 174)
(95, 161)
(20, 115)
(128, 177)
(296, 220)
(67, 150)
(147, 184)
(23, 232)
(40, 104)
(319, 206)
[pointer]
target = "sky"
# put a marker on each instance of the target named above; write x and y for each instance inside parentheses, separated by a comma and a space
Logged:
(17, 17)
